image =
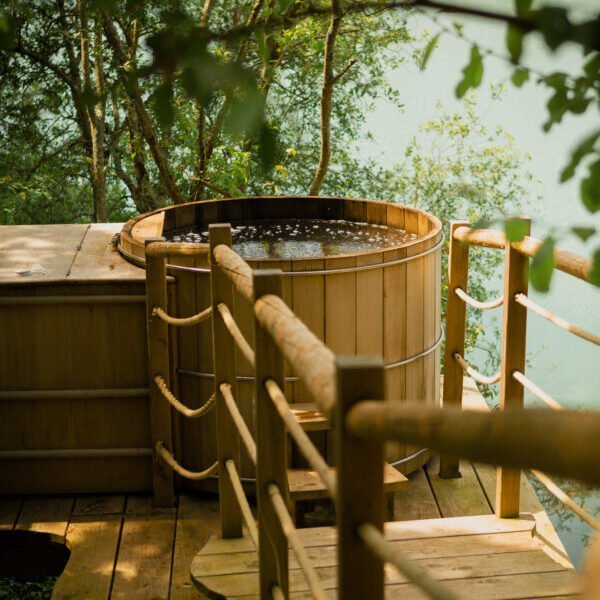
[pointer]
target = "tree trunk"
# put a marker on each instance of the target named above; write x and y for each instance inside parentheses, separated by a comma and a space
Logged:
(327, 99)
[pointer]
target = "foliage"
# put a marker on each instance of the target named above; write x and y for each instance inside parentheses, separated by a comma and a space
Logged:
(15, 589)
(571, 93)
(457, 169)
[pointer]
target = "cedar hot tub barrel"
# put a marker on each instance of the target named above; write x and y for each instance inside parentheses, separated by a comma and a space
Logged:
(383, 302)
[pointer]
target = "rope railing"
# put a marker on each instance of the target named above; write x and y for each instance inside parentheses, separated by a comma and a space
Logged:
(565, 499)
(190, 413)
(291, 533)
(476, 375)
(169, 459)
(236, 333)
(478, 303)
(305, 445)
(236, 269)
(312, 361)
(276, 593)
(239, 422)
(536, 391)
(182, 321)
(238, 490)
(382, 549)
(528, 303)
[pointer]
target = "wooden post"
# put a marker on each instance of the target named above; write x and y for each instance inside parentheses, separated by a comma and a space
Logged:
(360, 481)
(228, 439)
(456, 311)
(271, 443)
(514, 335)
(158, 364)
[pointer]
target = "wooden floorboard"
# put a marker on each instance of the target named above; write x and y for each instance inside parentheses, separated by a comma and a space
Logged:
(143, 567)
(9, 512)
(124, 548)
(50, 515)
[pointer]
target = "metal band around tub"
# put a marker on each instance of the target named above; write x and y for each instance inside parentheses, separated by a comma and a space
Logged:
(380, 265)
(393, 365)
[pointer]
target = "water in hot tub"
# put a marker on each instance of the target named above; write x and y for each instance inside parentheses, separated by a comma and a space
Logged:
(303, 238)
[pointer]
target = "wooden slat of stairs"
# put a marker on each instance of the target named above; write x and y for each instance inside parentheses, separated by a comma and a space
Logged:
(479, 557)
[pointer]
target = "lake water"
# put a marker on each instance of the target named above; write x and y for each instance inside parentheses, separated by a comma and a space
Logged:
(564, 365)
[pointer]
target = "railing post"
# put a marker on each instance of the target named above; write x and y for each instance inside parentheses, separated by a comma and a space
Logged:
(456, 310)
(514, 336)
(271, 445)
(158, 364)
(228, 439)
(359, 481)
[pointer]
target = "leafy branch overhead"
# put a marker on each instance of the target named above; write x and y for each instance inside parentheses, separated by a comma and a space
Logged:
(168, 101)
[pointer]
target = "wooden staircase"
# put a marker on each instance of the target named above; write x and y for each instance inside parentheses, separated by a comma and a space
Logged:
(306, 485)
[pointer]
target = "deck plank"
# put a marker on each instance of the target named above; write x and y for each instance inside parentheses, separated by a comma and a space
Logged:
(458, 497)
(143, 567)
(50, 515)
(99, 505)
(93, 541)
(197, 520)
(416, 501)
(9, 511)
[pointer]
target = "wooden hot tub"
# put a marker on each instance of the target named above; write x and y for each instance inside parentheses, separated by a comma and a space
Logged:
(383, 302)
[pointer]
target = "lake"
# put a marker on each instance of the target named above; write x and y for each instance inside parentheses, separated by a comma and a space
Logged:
(562, 364)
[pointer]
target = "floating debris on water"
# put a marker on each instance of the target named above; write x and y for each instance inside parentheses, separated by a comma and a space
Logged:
(303, 238)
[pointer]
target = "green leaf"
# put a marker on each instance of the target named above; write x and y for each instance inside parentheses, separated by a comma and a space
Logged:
(263, 47)
(427, 51)
(590, 188)
(246, 111)
(584, 233)
(514, 43)
(8, 38)
(482, 223)
(520, 76)
(516, 229)
(584, 148)
(472, 73)
(267, 146)
(522, 7)
(283, 5)
(595, 270)
(163, 105)
(553, 22)
(542, 266)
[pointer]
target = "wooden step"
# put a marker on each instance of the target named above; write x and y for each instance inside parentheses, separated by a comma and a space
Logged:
(307, 485)
(310, 417)
(475, 557)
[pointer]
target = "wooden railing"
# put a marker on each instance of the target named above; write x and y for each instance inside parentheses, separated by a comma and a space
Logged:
(515, 303)
(349, 391)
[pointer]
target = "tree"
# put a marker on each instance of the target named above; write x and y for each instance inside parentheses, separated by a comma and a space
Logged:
(209, 111)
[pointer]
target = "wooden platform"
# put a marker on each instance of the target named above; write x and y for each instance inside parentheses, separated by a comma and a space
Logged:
(124, 548)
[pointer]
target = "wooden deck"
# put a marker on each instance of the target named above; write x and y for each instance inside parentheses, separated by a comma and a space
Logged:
(122, 547)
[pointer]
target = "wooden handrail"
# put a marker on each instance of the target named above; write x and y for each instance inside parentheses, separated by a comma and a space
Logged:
(236, 269)
(564, 260)
(163, 249)
(313, 362)
(483, 436)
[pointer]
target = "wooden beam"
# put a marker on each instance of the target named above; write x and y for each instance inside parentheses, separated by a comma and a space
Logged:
(456, 311)
(271, 442)
(228, 439)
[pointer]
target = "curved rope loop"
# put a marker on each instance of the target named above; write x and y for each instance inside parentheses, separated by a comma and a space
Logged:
(478, 303)
(476, 375)
(236, 334)
(190, 413)
(184, 321)
(169, 459)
